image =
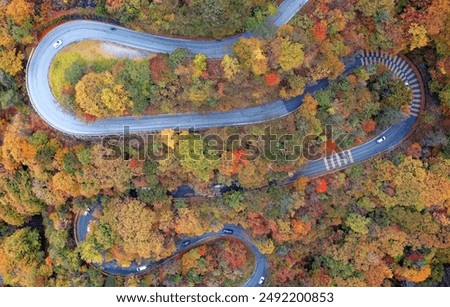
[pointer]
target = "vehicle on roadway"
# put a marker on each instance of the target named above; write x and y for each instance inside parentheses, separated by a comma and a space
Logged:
(87, 211)
(186, 243)
(261, 280)
(381, 139)
(141, 268)
(57, 43)
(88, 229)
(113, 29)
(227, 231)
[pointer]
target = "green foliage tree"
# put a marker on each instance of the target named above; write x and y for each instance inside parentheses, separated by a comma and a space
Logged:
(135, 77)
(17, 200)
(357, 223)
(155, 193)
(178, 56)
(194, 158)
(233, 199)
(9, 91)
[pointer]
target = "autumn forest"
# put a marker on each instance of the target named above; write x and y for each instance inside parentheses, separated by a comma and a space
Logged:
(381, 222)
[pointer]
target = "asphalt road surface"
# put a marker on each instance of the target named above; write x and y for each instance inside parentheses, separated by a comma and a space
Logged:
(60, 119)
(112, 268)
(392, 137)
(46, 106)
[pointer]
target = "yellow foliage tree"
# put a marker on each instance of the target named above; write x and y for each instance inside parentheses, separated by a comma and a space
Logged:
(67, 183)
(22, 259)
(230, 66)
(190, 223)
(308, 109)
(291, 54)
(137, 230)
(266, 246)
(98, 95)
(20, 11)
(250, 54)
(259, 64)
(115, 173)
(189, 260)
(414, 275)
(419, 36)
(11, 61)
(5, 36)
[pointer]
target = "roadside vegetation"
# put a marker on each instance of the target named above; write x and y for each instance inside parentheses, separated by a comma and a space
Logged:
(220, 263)
(200, 18)
(104, 86)
(129, 229)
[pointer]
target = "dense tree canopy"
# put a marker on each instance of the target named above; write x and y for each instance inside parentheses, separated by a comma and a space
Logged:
(383, 222)
(97, 95)
(22, 259)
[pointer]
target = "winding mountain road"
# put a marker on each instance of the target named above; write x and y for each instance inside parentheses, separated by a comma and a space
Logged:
(60, 119)
(112, 268)
(50, 110)
(394, 135)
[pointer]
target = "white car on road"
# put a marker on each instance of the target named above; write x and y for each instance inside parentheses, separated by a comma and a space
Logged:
(141, 268)
(57, 43)
(261, 280)
(381, 139)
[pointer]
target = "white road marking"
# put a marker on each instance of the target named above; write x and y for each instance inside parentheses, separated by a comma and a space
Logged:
(349, 152)
(326, 163)
(338, 160)
(402, 65)
(344, 158)
(332, 162)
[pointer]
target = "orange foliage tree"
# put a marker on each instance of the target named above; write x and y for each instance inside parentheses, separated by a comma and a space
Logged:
(272, 79)
(320, 31)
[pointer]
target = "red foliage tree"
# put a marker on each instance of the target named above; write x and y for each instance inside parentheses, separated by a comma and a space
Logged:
(235, 255)
(330, 146)
(322, 187)
(238, 157)
(369, 125)
(272, 79)
(320, 31)
(159, 68)
(89, 118)
(257, 223)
